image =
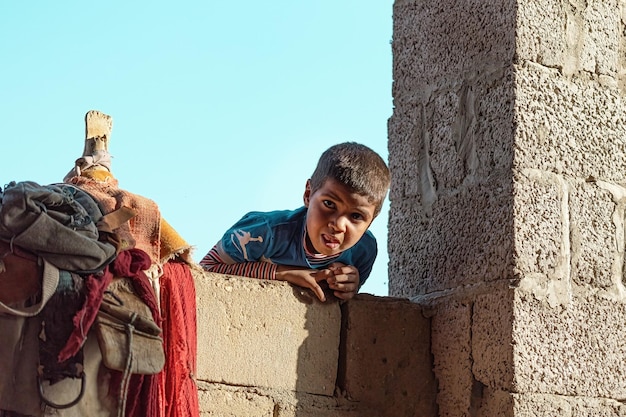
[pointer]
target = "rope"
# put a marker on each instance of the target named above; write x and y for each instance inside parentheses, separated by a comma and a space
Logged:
(121, 408)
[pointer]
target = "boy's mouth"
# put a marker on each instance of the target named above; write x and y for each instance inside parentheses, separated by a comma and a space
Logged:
(330, 242)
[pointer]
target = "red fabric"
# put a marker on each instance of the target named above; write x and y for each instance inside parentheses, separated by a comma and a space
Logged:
(84, 318)
(134, 269)
(173, 392)
(178, 298)
(129, 263)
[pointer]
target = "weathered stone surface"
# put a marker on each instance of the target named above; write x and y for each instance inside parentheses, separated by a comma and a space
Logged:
(435, 42)
(491, 350)
(597, 236)
(515, 341)
(506, 404)
(228, 401)
(326, 407)
(259, 333)
(570, 126)
(453, 199)
(573, 36)
(235, 403)
(538, 405)
(542, 232)
(386, 363)
(453, 247)
(494, 403)
(451, 347)
(575, 349)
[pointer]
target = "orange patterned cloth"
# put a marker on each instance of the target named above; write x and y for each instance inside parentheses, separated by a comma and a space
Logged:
(142, 231)
(147, 231)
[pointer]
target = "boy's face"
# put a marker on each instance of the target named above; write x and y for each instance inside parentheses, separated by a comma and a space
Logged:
(336, 217)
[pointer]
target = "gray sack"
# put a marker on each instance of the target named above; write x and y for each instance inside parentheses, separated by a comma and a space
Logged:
(57, 222)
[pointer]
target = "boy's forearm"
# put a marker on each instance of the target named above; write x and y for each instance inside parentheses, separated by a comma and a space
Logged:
(261, 270)
(217, 261)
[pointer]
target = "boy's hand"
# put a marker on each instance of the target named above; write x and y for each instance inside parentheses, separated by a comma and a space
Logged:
(307, 278)
(344, 280)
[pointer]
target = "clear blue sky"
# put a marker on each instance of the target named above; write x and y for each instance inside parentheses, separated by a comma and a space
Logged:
(219, 107)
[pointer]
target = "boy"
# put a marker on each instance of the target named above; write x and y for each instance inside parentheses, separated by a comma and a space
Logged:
(325, 240)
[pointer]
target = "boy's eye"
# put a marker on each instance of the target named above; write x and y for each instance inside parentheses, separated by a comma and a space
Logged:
(357, 216)
(329, 204)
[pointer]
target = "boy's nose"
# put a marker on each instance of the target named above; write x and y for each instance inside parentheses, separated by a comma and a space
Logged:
(338, 224)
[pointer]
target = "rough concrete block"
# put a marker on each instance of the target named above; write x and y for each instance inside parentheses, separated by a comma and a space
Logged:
(509, 159)
(386, 364)
(541, 32)
(454, 134)
(491, 329)
(455, 247)
(597, 235)
(495, 403)
(230, 401)
(266, 334)
(451, 347)
(573, 36)
(306, 411)
(406, 130)
(542, 230)
(538, 405)
(437, 41)
(454, 152)
(310, 407)
(234, 403)
(573, 127)
(542, 405)
(576, 349)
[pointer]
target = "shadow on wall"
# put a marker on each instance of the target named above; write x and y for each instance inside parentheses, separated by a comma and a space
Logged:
(318, 359)
(384, 365)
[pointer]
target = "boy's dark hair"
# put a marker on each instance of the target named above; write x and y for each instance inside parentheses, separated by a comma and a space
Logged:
(357, 167)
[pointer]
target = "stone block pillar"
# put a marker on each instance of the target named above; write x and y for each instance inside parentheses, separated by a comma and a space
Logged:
(507, 146)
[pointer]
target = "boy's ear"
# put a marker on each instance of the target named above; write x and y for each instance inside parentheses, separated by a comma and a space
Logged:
(307, 193)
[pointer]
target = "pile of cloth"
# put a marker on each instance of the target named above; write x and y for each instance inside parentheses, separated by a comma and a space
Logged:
(52, 343)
